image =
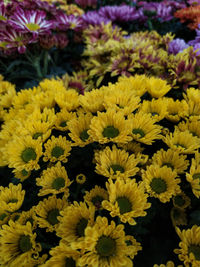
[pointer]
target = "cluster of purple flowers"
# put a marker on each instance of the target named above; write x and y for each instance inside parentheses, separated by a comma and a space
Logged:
(33, 21)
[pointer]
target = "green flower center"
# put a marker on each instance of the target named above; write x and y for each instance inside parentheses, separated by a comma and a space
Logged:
(52, 216)
(124, 204)
(84, 135)
(25, 243)
(24, 172)
(32, 26)
(168, 164)
(154, 113)
(12, 200)
(138, 131)
(57, 151)
(128, 242)
(158, 185)
(106, 246)
(179, 201)
(2, 17)
(3, 216)
(116, 167)
(58, 183)
(80, 227)
(36, 135)
(180, 145)
(63, 124)
(70, 262)
(195, 249)
(97, 201)
(110, 132)
(196, 176)
(28, 154)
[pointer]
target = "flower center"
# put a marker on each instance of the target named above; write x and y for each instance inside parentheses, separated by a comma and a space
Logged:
(36, 135)
(63, 124)
(32, 26)
(138, 131)
(80, 227)
(168, 164)
(195, 249)
(180, 145)
(25, 243)
(116, 167)
(52, 216)
(84, 135)
(110, 132)
(196, 176)
(58, 183)
(57, 151)
(69, 262)
(97, 201)
(3, 216)
(2, 18)
(128, 242)
(13, 200)
(158, 185)
(124, 204)
(179, 201)
(154, 113)
(24, 172)
(106, 246)
(28, 154)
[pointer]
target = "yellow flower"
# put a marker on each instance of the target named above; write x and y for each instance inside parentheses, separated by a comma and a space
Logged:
(193, 177)
(104, 245)
(92, 101)
(48, 211)
(161, 182)
(127, 200)
(110, 126)
(47, 116)
(157, 87)
(18, 244)
(4, 216)
(181, 201)
(68, 99)
(178, 216)
(28, 216)
(95, 197)
(23, 153)
(7, 93)
(80, 178)
(176, 110)
(62, 119)
(57, 148)
(189, 251)
(143, 128)
(168, 264)
(54, 180)
(133, 245)
(193, 126)
(12, 197)
(21, 175)
(172, 159)
(79, 130)
(116, 163)
(183, 142)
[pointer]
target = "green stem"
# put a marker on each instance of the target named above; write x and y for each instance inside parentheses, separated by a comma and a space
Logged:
(36, 65)
(150, 25)
(46, 59)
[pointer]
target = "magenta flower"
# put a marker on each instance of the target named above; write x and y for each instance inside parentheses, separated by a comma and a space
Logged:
(72, 22)
(33, 21)
(3, 16)
(93, 18)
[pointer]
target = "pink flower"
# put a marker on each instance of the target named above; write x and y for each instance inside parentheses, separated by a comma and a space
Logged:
(69, 22)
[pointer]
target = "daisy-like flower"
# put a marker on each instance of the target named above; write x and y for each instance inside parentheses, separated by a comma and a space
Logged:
(62, 118)
(4, 216)
(161, 183)
(72, 22)
(21, 175)
(183, 142)
(62, 255)
(168, 264)
(95, 197)
(18, 244)
(104, 245)
(116, 163)
(143, 128)
(11, 197)
(92, 101)
(193, 126)
(176, 110)
(78, 128)
(172, 159)
(110, 126)
(80, 178)
(28, 216)
(181, 201)
(48, 211)
(23, 153)
(33, 21)
(193, 177)
(189, 251)
(54, 180)
(157, 87)
(68, 99)
(127, 200)
(133, 245)
(75, 218)
(57, 148)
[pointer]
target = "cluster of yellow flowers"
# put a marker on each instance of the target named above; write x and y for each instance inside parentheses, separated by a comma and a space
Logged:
(84, 170)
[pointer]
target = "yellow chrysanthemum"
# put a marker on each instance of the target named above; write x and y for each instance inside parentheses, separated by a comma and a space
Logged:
(75, 218)
(62, 255)
(143, 128)
(189, 251)
(62, 119)
(133, 245)
(54, 180)
(127, 200)
(192, 94)
(21, 175)
(193, 126)
(157, 108)
(157, 87)
(81, 178)
(194, 109)
(176, 110)
(193, 177)
(24, 98)
(47, 212)
(12, 197)
(57, 148)
(172, 159)
(4, 216)
(18, 246)
(181, 201)
(68, 99)
(183, 142)
(116, 163)
(23, 153)
(92, 101)
(104, 245)
(78, 128)
(28, 216)
(168, 264)
(7, 93)
(95, 197)
(161, 182)
(110, 126)
(47, 116)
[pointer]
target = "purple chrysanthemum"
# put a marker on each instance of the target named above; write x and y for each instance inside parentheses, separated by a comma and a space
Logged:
(197, 38)
(197, 47)
(177, 45)
(65, 22)
(93, 18)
